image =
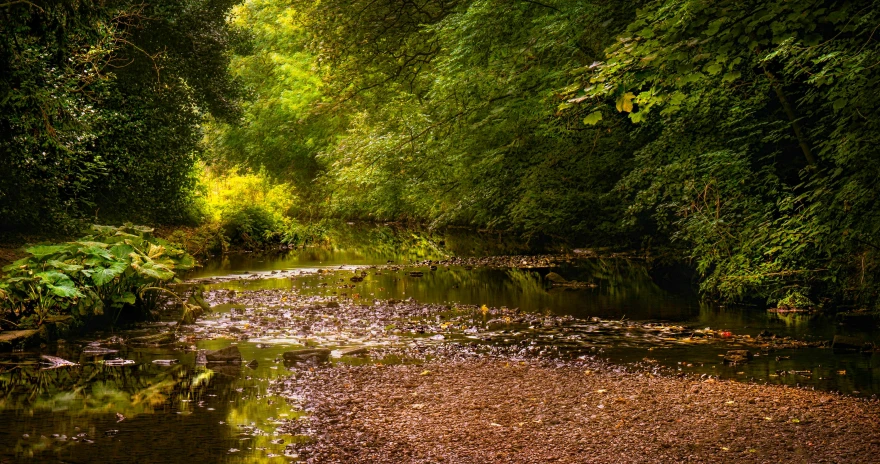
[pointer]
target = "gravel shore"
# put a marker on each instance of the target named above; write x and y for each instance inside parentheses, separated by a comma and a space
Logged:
(476, 411)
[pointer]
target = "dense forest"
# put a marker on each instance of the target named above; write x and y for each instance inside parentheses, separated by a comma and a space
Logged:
(735, 137)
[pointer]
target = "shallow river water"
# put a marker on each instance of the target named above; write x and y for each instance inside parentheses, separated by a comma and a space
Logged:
(157, 404)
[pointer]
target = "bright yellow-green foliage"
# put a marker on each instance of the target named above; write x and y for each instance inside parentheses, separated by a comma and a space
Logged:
(277, 130)
(230, 192)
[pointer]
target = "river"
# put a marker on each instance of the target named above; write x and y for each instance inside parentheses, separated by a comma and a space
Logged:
(160, 405)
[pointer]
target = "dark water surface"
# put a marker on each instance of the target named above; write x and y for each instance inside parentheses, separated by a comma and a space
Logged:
(149, 411)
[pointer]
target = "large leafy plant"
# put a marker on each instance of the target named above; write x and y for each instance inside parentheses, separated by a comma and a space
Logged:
(107, 272)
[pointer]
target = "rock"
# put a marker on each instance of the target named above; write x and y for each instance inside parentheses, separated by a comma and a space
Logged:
(253, 364)
(55, 362)
(95, 350)
(119, 362)
(14, 337)
(332, 304)
(156, 339)
(556, 278)
(416, 274)
(227, 355)
(353, 351)
(845, 343)
(318, 355)
(165, 362)
(738, 356)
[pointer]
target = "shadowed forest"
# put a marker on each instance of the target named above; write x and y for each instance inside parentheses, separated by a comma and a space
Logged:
(733, 137)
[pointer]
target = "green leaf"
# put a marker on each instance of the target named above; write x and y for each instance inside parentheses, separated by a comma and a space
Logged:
(624, 103)
(125, 298)
(42, 251)
(66, 267)
(714, 26)
(59, 284)
(122, 251)
(714, 68)
(155, 271)
(731, 76)
(593, 118)
(64, 291)
(17, 265)
(101, 276)
(840, 104)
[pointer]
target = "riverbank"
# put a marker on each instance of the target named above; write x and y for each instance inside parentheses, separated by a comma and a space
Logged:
(478, 410)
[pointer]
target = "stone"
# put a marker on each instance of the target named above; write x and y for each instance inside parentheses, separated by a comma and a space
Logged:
(227, 355)
(738, 356)
(353, 351)
(556, 278)
(156, 339)
(308, 354)
(14, 337)
(845, 343)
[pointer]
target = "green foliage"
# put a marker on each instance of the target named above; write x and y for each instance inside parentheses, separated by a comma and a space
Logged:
(297, 234)
(108, 271)
(736, 134)
(763, 161)
(251, 226)
(100, 107)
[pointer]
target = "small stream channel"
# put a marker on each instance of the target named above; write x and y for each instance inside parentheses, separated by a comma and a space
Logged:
(162, 406)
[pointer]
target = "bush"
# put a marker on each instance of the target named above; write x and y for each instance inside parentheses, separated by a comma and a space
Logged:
(114, 269)
(252, 227)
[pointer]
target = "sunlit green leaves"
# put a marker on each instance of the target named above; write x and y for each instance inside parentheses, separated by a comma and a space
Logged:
(107, 269)
(625, 102)
(593, 118)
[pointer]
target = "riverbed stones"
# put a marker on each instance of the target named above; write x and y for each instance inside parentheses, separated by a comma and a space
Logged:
(228, 355)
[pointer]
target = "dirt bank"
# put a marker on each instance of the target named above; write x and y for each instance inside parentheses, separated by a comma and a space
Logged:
(474, 411)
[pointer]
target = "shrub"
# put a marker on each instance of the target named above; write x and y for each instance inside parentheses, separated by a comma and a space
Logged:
(111, 270)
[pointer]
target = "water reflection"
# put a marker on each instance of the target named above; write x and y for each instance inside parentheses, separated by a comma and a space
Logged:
(150, 413)
(365, 245)
(125, 414)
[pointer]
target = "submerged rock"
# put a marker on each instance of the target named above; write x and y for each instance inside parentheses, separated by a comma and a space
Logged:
(228, 355)
(845, 343)
(738, 356)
